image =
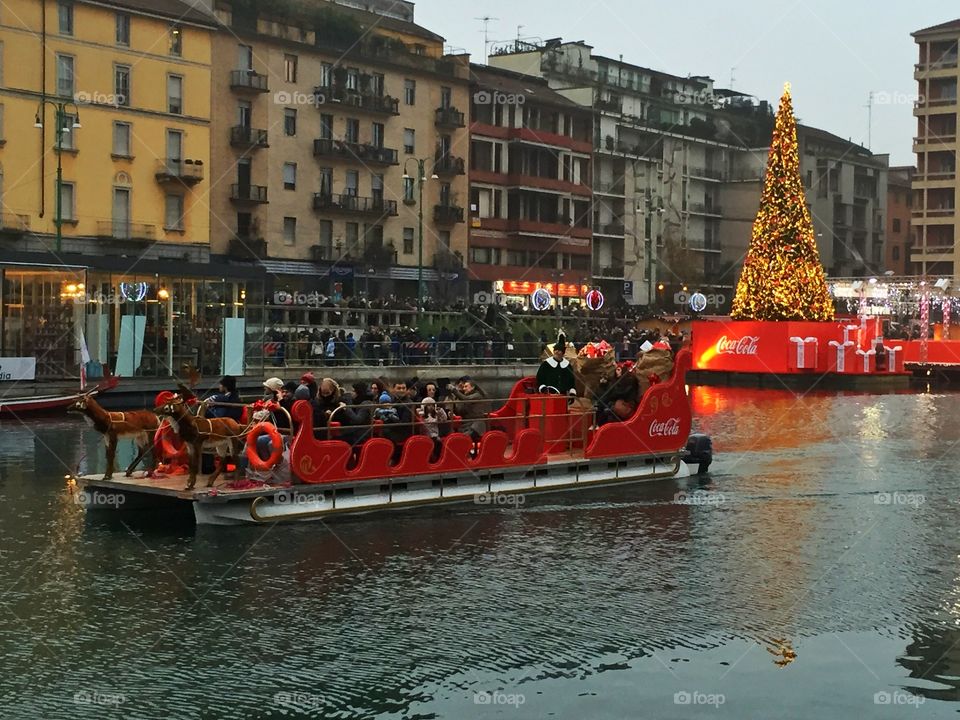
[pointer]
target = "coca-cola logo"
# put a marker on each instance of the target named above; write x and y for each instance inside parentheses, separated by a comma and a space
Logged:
(665, 428)
(746, 345)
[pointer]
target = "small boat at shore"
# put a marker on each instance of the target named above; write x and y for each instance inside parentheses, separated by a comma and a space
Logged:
(37, 404)
(535, 444)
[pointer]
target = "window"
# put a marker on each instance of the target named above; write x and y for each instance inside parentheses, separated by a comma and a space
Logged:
(353, 237)
(353, 130)
(176, 40)
(175, 94)
(326, 127)
(65, 17)
(409, 92)
(326, 239)
(353, 79)
(67, 202)
(408, 190)
(896, 253)
(896, 225)
(408, 241)
(516, 257)
(376, 189)
(352, 183)
(121, 212)
(444, 240)
(377, 84)
(173, 212)
(68, 139)
(409, 141)
(290, 121)
(446, 97)
(326, 74)
(377, 135)
(290, 68)
(326, 181)
(123, 29)
(244, 57)
(121, 139)
(65, 75)
(289, 231)
(244, 113)
(809, 179)
(480, 255)
(289, 176)
(121, 84)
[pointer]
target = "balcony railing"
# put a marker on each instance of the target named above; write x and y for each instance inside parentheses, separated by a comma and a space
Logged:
(449, 165)
(354, 205)
(708, 173)
(447, 214)
(365, 101)
(357, 152)
(613, 271)
(935, 176)
(187, 172)
(936, 139)
(704, 209)
(609, 188)
(125, 230)
(247, 137)
(248, 80)
(945, 63)
(246, 247)
(449, 117)
(614, 106)
(248, 193)
(609, 229)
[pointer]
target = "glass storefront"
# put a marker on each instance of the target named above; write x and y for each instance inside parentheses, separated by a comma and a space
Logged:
(136, 325)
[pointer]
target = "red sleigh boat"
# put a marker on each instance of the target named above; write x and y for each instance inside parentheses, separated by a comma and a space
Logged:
(535, 444)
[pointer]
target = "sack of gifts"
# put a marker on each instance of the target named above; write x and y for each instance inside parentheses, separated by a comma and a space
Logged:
(591, 371)
(655, 362)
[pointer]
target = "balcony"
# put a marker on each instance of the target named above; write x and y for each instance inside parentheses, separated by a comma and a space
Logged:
(247, 138)
(13, 224)
(356, 100)
(611, 106)
(609, 188)
(704, 209)
(185, 172)
(248, 194)
(126, 230)
(245, 247)
(935, 141)
(449, 165)
(449, 117)
(447, 214)
(612, 272)
(347, 204)
(706, 173)
(357, 152)
(248, 81)
(615, 228)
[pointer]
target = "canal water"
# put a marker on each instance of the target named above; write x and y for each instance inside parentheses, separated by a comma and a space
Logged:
(813, 574)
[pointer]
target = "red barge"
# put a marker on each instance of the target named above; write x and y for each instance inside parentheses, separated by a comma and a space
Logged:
(535, 445)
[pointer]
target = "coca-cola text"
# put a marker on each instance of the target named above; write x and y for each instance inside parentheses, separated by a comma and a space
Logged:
(746, 345)
(665, 428)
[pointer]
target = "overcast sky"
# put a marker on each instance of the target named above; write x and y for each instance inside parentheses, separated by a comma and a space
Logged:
(834, 52)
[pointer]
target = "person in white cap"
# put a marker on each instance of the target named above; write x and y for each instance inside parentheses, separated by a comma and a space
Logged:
(273, 387)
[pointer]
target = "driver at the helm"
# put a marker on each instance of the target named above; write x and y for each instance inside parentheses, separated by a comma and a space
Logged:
(556, 371)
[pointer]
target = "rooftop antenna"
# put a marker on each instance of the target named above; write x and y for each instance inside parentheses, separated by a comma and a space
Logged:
(732, 78)
(870, 121)
(519, 28)
(486, 19)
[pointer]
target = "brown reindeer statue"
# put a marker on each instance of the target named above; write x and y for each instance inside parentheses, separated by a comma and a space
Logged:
(221, 435)
(139, 425)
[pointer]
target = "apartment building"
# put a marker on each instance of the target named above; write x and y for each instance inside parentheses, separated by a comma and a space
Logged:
(846, 188)
(935, 181)
(530, 188)
(114, 99)
(331, 122)
(900, 232)
(661, 150)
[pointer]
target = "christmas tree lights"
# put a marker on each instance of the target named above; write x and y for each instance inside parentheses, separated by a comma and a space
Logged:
(782, 277)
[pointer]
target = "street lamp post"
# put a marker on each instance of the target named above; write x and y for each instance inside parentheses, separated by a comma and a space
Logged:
(421, 179)
(60, 115)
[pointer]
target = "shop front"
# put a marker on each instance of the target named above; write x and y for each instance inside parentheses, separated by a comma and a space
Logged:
(564, 294)
(134, 324)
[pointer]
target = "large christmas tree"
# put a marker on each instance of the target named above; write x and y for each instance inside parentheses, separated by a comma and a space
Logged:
(782, 277)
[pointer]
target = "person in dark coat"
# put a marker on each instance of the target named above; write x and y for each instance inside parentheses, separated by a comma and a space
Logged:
(229, 396)
(556, 371)
(618, 397)
(472, 407)
(358, 414)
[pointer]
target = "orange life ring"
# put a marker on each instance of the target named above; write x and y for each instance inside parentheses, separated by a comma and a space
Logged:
(169, 443)
(276, 444)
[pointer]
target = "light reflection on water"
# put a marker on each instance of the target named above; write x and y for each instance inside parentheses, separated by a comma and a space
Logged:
(586, 605)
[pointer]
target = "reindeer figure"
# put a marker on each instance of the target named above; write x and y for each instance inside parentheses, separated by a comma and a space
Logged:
(222, 435)
(139, 425)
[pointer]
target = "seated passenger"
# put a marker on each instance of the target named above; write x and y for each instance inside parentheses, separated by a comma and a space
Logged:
(472, 407)
(618, 397)
(357, 415)
(327, 400)
(227, 394)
